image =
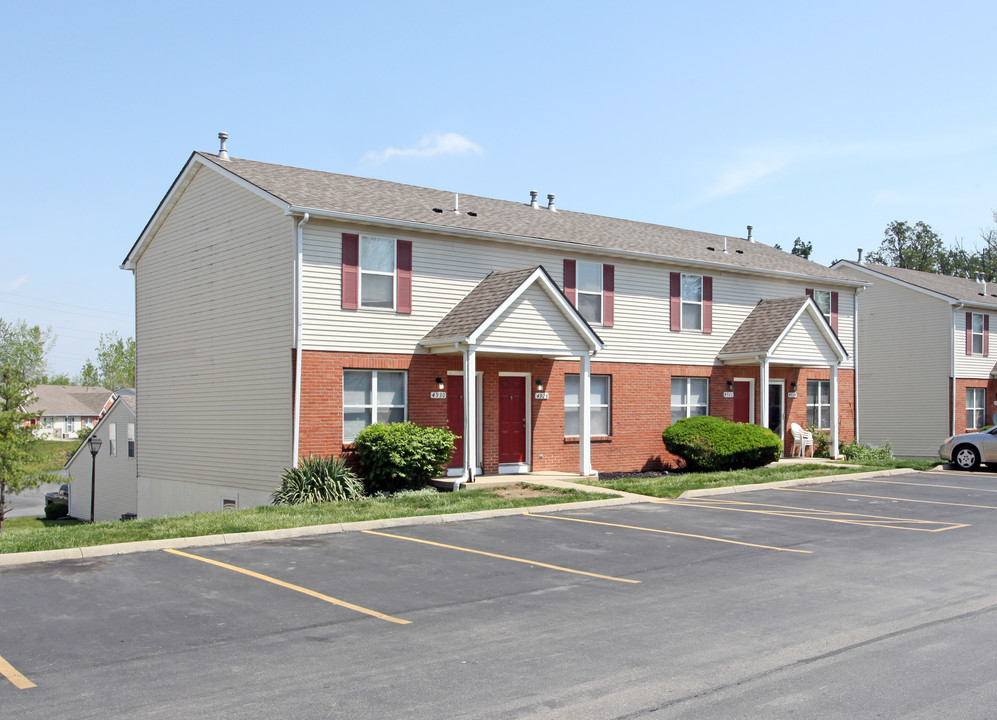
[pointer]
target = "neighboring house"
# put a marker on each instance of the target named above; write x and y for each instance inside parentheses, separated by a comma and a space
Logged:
(924, 340)
(113, 469)
(66, 409)
(300, 306)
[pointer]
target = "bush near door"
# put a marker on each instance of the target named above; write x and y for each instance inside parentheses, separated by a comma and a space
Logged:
(709, 444)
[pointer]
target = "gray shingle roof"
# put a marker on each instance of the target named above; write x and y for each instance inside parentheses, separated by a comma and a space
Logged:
(759, 331)
(330, 192)
(477, 305)
(957, 288)
(70, 400)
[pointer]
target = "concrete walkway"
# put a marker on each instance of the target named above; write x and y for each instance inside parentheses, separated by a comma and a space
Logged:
(557, 480)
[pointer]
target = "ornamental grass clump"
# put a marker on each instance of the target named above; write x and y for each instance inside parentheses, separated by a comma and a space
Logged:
(318, 479)
(709, 444)
(402, 456)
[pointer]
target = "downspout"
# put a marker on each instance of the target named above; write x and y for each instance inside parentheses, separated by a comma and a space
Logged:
(955, 309)
(298, 332)
(855, 356)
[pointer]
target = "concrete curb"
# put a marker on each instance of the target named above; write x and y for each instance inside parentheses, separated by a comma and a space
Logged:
(621, 498)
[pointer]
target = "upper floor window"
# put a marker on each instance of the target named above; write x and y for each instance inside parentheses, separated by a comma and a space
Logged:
(377, 272)
(598, 404)
(690, 397)
(978, 334)
(372, 396)
(589, 289)
(131, 439)
(692, 302)
(823, 300)
(112, 439)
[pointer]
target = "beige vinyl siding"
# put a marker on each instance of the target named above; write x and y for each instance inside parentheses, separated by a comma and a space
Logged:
(973, 366)
(804, 344)
(444, 270)
(115, 475)
(533, 321)
(214, 336)
(904, 367)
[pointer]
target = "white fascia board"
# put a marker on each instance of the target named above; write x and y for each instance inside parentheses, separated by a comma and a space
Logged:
(194, 163)
(98, 424)
(810, 306)
(545, 352)
(564, 246)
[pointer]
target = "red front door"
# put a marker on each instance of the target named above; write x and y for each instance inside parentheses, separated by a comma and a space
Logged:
(512, 420)
(455, 417)
(742, 401)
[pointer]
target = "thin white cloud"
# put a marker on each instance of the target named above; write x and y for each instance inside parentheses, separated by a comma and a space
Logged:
(14, 285)
(432, 144)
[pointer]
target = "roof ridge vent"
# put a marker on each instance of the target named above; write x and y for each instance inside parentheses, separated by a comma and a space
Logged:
(222, 152)
(550, 202)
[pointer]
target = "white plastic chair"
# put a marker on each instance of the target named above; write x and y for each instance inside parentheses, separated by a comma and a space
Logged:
(802, 439)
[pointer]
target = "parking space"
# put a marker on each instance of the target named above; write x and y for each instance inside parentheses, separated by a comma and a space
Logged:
(547, 578)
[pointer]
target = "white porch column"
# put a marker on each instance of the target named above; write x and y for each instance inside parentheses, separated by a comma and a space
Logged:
(834, 411)
(470, 415)
(764, 391)
(585, 416)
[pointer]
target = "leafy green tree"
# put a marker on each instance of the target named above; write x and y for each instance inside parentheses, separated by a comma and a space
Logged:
(915, 247)
(22, 366)
(800, 248)
(60, 379)
(115, 367)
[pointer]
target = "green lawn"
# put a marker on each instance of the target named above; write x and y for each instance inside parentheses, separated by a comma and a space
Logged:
(51, 455)
(670, 486)
(27, 534)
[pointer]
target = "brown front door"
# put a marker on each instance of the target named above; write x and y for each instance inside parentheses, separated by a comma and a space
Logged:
(512, 420)
(455, 417)
(742, 401)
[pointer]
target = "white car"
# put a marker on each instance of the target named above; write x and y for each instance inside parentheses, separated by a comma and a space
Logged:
(967, 451)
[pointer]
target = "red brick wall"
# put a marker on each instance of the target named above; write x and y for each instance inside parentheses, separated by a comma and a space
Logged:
(640, 405)
(961, 384)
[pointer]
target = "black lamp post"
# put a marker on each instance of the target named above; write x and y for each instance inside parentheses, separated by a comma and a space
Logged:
(95, 443)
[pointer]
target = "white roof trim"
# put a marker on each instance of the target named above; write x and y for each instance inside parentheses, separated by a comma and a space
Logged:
(100, 422)
(810, 306)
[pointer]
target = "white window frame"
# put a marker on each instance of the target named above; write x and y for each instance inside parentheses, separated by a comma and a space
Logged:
(686, 405)
(821, 404)
(112, 439)
(373, 406)
(361, 272)
(690, 302)
(579, 292)
(977, 343)
(976, 407)
(131, 440)
(823, 300)
(575, 407)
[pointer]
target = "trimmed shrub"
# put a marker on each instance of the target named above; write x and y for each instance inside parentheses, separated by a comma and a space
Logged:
(857, 450)
(56, 510)
(708, 444)
(402, 456)
(318, 479)
(822, 441)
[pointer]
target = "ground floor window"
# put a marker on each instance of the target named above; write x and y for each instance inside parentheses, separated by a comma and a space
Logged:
(372, 396)
(599, 404)
(819, 403)
(976, 408)
(690, 397)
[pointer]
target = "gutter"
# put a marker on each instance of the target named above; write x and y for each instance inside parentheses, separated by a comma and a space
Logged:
(298, 332)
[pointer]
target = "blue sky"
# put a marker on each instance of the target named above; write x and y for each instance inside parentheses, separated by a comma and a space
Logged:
(824, 121)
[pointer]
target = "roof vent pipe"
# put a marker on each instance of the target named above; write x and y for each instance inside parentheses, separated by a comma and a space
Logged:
(550, 202)
(725, 244)
(860, 256)
(533, 199)
(456, 204)
(750, 228)
(222, 152)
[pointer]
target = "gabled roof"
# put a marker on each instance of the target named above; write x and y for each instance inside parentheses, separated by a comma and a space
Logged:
(329, 195)
(957, 289)
(769, 322)
(476, 312)
(70, 400)
(128, 401)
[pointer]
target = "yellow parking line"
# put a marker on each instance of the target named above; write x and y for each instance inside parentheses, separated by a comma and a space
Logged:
(501, 557)
(931, 485)
(19, 681)
(289, 586)
(847, 518)
(886, 497)
(669, 532)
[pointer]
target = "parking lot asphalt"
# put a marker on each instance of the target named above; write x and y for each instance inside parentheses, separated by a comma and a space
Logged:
(869, 597)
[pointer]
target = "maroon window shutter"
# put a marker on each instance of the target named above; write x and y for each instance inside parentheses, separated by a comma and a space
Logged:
(351, 271)
(569, 281)
(810, 292)
(403, 276)
(608, 294)
(707, 304)
(969, 333)
(986, 335)
(834, 311)
(675, 303)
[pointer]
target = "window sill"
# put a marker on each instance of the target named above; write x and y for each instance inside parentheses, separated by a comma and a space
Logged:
(573, 439)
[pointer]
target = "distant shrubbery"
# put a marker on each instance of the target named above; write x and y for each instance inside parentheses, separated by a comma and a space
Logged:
(709, 444)
(56, 510)
(401, 456)
(857, 450)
